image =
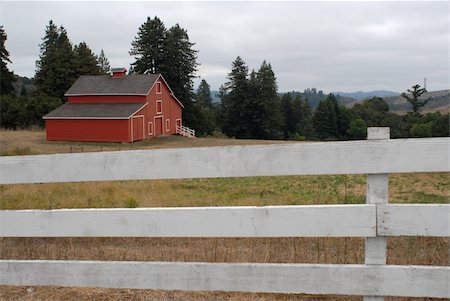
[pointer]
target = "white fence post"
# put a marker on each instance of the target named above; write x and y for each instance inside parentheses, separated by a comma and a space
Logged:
(377, 193)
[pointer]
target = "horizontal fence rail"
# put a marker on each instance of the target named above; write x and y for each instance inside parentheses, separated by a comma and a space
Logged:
(375, 220)
(344, 157)
(410, 281)
(271, 221)
(413, 220)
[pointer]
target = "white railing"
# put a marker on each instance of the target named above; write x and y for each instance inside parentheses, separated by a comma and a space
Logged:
(185, 131)
(375, 220)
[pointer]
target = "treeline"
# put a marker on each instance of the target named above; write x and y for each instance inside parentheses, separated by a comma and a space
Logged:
(251, 108)
(60, 63)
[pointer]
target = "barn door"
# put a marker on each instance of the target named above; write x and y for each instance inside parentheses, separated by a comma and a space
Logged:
(138, 128)
(158, 126)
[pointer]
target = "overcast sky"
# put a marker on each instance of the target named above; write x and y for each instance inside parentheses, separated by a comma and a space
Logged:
(333, 46)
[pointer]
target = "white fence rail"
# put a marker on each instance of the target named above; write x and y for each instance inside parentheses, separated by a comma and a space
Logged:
(347, 157)
(375, 220)
(185, 131)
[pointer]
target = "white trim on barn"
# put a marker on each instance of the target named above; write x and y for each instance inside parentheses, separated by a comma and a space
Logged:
(158, 88)
(150, 128)
(156, 110)
(167, 125)
(154, 125)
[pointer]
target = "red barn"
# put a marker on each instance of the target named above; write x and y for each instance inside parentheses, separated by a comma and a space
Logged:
(115, 108)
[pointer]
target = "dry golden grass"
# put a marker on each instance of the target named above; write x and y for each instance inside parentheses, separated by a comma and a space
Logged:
(411, 188)
(32, 142)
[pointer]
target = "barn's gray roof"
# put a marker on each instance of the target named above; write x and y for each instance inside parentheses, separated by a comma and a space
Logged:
(95, 111)
(134, 84)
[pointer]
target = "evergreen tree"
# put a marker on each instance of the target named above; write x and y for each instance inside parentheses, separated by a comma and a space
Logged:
(169, 52)
(325, 120)
(178, 68)
(305, 127)
(251, 110)
(233, 96)
(57, 65)
(415, 101)
(86, 60)
(357, 129)
(103, 63)
(372, 111)
(148, 47)
(290, 126)
(203, 95)
(204, 111)
(270, 114)
(296, 117)
(441, 125)
(6, 76)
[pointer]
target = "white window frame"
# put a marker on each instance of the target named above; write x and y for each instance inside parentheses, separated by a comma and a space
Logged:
(167, 125)
(159, 112)
(150, 128)
(158, 85)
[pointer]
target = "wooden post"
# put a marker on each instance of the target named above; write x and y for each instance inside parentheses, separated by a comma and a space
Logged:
(377, 193)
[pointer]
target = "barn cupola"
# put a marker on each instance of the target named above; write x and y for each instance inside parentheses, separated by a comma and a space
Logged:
(118, 72)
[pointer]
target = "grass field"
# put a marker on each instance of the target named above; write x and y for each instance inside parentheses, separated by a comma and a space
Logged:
(404, 188)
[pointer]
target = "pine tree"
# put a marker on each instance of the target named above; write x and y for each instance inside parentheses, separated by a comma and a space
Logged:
(325, 120)
(203, 95)
(103, 63)
(178, 68)
(86, 60)
(270, 115)
(234, 95)
(57, 65)
(252, 109)
(204, 111)
(415, 101)
(296, 117)
(169, 52)
(6, 76)
(289, 125)
(305, 127)
(148, 47)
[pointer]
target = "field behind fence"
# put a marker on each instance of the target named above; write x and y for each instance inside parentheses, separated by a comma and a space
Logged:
(375, 221)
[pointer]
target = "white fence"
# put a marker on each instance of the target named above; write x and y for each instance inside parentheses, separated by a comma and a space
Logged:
(375, 220)
(185, 131)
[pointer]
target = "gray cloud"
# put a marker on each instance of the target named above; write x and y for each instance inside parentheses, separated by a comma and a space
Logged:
(329, 45)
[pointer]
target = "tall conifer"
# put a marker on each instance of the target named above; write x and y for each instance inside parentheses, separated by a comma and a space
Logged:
(57, 66)
(86, 60)
(103, 63)
(6, 76)
(169, 52)
(234, 95)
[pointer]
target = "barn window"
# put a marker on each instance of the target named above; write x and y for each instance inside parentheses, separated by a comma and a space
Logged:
(167, 125)
(150, 128)
(158, 88)
(159, 107)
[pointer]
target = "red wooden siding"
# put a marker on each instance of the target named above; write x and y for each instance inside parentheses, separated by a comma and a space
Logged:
(171, 110)
(88, 130)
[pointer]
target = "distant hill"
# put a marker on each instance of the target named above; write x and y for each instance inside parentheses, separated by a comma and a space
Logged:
(361, 95)
(396, 103)
(440, 102)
